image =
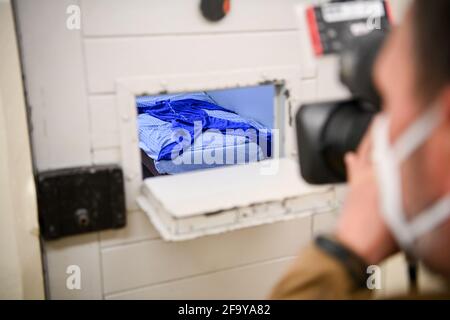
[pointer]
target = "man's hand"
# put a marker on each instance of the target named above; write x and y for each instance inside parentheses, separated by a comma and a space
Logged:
(361, 227)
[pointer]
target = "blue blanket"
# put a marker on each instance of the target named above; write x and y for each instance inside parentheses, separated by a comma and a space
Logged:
(182, 113)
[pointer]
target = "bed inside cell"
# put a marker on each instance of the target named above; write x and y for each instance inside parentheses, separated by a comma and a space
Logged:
(184, 132)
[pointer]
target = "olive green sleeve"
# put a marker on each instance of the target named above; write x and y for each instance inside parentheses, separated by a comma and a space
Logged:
(316, 275)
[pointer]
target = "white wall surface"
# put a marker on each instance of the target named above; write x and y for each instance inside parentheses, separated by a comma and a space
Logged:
(21, 274)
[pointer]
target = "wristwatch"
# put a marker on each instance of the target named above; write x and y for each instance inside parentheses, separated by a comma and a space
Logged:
(354, 264)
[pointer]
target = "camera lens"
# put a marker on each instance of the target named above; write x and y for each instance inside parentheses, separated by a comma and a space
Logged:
(343, 133)
(325, 133)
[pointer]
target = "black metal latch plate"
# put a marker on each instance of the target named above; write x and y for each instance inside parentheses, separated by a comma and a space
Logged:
(79, 200)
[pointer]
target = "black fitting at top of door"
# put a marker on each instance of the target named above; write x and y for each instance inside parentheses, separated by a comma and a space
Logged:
(215, 10)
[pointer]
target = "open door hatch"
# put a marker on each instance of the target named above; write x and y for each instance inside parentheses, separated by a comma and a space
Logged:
(195, 204)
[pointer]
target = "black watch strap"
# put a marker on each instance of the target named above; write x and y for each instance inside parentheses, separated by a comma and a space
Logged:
(355, 265)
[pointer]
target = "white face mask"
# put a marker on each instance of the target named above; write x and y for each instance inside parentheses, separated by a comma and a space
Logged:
(387, 161)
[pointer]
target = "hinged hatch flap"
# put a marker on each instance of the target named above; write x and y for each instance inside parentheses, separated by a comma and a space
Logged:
(190, 205)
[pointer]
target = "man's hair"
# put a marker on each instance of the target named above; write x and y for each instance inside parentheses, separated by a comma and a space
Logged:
(431, 37)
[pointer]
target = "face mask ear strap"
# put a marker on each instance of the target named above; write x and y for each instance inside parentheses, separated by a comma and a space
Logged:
(387, 160)
(416, 134)
(389, 187)
(431, 218)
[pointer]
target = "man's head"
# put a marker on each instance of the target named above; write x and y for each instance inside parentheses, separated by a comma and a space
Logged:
(413, 75)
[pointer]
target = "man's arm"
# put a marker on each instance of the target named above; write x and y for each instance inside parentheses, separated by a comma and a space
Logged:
(319, 274)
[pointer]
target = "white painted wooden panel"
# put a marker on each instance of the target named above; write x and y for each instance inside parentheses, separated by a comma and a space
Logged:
(341, 193)
(329, 87)
(55, 84)
(82, 251)
(153, 17)
(304, 93)
(104, 125)
(105, 140)
(112, 58)
(138, 228)
(217, 190)
(323, 223)
(156, 261)
(248, 282)
(106, 156)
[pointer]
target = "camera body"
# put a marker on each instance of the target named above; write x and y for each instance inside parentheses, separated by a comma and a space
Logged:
(326, 131)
